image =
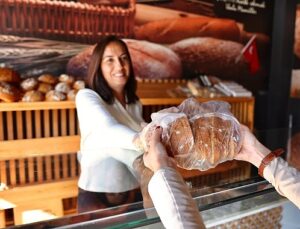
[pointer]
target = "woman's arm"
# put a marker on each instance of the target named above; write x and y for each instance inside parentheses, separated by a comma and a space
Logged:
(169, 194)
(283, 177)
(98, 127)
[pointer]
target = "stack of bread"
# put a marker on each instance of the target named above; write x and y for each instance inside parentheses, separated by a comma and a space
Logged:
(198, 135)
(34, 89)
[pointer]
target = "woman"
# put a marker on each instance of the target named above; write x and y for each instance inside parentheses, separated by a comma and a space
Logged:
(110, 115)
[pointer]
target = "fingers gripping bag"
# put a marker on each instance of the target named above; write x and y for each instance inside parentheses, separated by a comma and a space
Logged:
(199, 135)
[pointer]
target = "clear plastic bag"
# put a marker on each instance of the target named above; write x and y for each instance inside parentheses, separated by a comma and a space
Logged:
(198, 135)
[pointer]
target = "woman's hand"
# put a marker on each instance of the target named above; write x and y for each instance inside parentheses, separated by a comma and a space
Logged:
(156, 157)
(252, 150)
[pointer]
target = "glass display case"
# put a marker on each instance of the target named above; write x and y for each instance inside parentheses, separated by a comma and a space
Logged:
(251, 202)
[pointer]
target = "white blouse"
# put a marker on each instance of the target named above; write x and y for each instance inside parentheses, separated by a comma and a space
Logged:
(106, 149)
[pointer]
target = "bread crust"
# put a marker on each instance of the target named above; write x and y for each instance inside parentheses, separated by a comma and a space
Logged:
(168, 31)
(9, 75)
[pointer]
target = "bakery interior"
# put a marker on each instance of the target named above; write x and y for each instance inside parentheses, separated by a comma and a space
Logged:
(179, 49)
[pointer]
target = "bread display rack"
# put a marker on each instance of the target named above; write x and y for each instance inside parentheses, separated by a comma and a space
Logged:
(68, 21)
(38, 154)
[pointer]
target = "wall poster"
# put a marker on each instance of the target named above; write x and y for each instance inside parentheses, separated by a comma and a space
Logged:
(167, 39)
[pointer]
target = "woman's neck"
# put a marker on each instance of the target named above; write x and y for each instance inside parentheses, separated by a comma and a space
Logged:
(120, 96)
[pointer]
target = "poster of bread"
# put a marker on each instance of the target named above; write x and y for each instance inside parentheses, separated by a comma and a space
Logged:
(167, 39)
(295, 82)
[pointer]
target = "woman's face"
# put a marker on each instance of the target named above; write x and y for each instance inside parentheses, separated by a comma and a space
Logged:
(115, 66)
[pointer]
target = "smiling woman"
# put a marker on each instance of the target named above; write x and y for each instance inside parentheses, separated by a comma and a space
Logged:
(109, 114)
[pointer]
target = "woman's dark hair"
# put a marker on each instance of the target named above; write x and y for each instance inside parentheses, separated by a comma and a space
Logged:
(95, 79)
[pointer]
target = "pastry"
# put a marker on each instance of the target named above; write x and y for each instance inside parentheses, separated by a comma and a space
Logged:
(29, 84)
(33, 96)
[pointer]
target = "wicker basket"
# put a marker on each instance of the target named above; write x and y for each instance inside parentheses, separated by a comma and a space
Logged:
(68, 21)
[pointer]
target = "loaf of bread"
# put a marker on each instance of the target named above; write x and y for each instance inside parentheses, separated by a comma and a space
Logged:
(212, 57)
(198, 135)
(9, 75)
(45, 87)
(153, 61)
(55, 96)
(29, 84)
(168, 31)
(47, 78)
(66, 78)
(214, 139)
(9, 93)
(178, 138)
(33, 96)
(150, 61)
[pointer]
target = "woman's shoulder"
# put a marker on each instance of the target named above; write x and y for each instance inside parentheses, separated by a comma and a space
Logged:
(87, 94)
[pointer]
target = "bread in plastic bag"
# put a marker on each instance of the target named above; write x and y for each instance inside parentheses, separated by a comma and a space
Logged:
(198, 135)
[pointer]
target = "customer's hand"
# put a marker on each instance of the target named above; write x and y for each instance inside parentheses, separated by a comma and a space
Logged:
(157, 157)
(252, 150)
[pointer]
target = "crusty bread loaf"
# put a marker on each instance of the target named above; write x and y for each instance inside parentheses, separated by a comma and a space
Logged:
(55, 96)
(79, 84)
(29, 84)
(173, 30)
(214, 138)
(33, 96)
(66, 78)
(153, 61)
(8, 92)
(9, 75)
(47, 78)
(212, 57)
(45, 87)
(179, 139)
(150, 61)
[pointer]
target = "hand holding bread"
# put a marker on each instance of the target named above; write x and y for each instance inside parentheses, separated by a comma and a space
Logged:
(198, 135)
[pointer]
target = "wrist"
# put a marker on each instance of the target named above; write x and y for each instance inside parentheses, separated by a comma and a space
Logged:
(260, 153)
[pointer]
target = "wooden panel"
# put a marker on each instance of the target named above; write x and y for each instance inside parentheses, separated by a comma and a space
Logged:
(12, 172)
(19, 125)
(23, 106)
(65, 165)
(72, 118)
(38, 121)
(3, 173)
(63, 122)
(28, 124)
(39, 167)
(22, 171)
(30, 169)
(10, 125)
(20, 195)
(55, 123)
(47, 168)
(1, 126)
(42, 146)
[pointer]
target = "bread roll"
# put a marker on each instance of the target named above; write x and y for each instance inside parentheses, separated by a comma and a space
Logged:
(72, 95)
(212, 57)
(150, 61)
(66, 78)
(55, 96)
(44, 87)
(172, 30)
(9, 75)
(62, 87)
(33, 96)
(8, 92)
(29, 84)
(47, 78)
(79, 84)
